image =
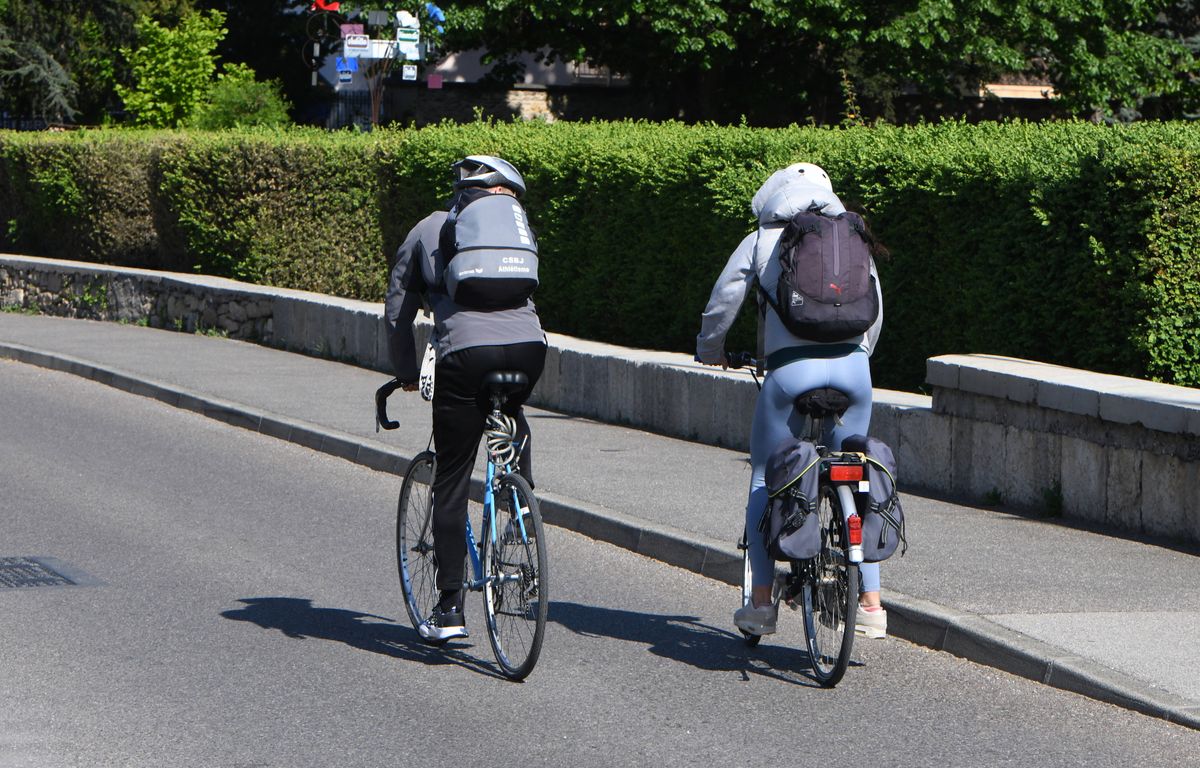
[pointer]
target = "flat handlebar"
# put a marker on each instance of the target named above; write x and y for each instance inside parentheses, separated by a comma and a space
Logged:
(740, 360)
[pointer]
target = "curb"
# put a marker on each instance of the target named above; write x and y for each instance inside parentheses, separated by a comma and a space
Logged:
(966, 635)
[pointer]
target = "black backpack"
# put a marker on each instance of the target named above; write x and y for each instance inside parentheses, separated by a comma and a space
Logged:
(494, 261)
(826, 292)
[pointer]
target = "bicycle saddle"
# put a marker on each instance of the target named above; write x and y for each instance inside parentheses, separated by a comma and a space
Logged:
(820, 403)
(505, 382)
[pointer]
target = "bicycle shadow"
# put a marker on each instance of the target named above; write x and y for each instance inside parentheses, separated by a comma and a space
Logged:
(299, 619)
(690, 641)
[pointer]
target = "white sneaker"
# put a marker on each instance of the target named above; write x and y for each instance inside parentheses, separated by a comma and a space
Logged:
(871, 624)
(756, 620)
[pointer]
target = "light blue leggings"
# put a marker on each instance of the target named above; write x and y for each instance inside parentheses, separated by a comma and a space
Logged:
(775, 420)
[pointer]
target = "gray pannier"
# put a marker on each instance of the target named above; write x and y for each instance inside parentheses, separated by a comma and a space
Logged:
(790, 525)
(882, 515)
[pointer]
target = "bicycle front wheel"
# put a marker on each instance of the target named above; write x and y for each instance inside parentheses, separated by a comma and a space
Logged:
(515, 595)
(831, 592)
(415, 559)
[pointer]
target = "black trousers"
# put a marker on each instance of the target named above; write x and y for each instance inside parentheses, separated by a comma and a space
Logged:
(460, 410)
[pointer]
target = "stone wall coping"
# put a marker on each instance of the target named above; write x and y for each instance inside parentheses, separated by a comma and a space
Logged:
(1117, 399)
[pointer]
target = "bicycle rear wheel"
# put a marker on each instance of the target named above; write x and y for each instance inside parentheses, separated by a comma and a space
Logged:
(415, 559)
(831, 592)
(515, 596)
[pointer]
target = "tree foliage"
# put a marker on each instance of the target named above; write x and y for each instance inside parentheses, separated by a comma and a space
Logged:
(723, 58)
(34, 80)
(238, 100)
(60, 58)
(172, 68)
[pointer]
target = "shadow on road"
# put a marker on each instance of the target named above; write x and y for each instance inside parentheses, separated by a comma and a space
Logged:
(298, 618)
(688, 640)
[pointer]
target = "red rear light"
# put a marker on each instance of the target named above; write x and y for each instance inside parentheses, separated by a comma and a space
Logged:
(854, 527)
(845, 473)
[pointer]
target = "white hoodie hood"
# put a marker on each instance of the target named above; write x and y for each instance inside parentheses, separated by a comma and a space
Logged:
(788, 192)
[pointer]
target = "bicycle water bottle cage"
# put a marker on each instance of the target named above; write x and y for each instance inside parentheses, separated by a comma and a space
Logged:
(822, 403)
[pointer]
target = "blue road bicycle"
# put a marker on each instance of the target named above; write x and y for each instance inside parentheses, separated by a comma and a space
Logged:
(508, 564)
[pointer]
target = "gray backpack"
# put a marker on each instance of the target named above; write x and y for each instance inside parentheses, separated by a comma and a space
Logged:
(495, 264)
(790, 525)
(880, 510)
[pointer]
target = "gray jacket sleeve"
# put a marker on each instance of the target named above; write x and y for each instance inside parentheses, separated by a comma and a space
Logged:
(401, 304)
(728, 294)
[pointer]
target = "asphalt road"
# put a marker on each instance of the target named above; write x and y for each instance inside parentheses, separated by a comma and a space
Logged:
(239, 607)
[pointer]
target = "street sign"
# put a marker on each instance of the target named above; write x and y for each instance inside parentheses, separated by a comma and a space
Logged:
(409, 72)
(408, 41)
(383, 49)
(354, 46)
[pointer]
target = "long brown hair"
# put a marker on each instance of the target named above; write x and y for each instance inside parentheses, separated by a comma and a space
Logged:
(874, 244)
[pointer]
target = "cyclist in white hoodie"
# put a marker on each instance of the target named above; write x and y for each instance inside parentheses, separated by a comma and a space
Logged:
(794, 366)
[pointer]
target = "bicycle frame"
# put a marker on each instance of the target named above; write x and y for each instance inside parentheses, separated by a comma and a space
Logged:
(478, 580)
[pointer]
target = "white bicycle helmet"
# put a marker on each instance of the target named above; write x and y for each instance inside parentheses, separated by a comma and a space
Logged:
(814, 174)
(488, 171)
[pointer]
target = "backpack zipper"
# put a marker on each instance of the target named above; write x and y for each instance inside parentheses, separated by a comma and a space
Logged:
(837, 251)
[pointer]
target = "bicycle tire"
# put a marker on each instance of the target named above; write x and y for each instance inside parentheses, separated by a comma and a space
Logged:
(831, 593)
(515, 596)
(322, 26)
(415, 561)
(751, 639)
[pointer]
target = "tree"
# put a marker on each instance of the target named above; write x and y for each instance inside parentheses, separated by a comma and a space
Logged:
(60, 58)
(172, 69)
(37, 84)
(783, 60)
(238, 100)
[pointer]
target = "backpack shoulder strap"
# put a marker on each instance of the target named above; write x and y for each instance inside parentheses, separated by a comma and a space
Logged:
(766, 295)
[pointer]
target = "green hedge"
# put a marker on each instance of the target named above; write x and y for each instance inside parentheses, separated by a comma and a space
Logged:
(1064, 242)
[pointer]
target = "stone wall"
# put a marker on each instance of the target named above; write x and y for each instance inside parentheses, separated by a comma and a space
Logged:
(1103, 449)
(136, 296)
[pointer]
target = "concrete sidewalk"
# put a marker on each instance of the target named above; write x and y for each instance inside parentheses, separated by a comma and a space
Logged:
(1107, 617)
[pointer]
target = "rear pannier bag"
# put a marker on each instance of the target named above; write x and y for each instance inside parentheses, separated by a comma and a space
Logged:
(882, 515)
(495, 264)
(790, 525)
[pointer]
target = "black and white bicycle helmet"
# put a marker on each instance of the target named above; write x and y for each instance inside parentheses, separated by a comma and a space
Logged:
(487, 171)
